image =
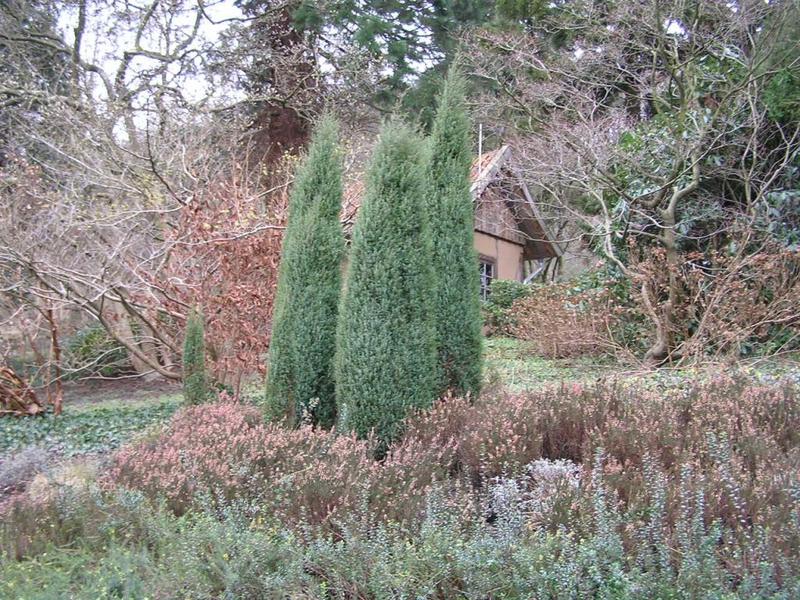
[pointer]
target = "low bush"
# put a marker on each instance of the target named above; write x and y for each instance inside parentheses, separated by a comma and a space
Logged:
(220, 453)
(21, 467)
(91, 351)
(615, 489)
(562, 322)
(224, 452)
(67, 509)
(497, 314)
(730, 305)
(601, 551)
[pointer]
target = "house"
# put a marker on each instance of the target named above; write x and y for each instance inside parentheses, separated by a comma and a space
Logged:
(511, 238)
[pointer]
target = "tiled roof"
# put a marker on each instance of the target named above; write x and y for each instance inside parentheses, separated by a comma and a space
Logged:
(482, 163)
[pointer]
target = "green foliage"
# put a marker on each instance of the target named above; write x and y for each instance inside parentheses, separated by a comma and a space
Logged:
(386, 350)
(457, 309)
(408, 39)
(782, 91)
(779, 213)
(195, 382)
(502, 294)
(300, 380)
(91, 351)
(782, 96)
(86, 431)
(522, 10)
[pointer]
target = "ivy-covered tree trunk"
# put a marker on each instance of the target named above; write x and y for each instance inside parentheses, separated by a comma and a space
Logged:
(195, 382)
(300, 381)
(386, 350)
(457, 311)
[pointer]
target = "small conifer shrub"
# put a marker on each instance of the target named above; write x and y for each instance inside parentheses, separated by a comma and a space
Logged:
(457, 308)
(300, 385)
(195, 381)
(386, 351)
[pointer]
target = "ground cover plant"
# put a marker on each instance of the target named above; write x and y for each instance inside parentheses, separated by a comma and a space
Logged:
(85, 430)
(613, 488)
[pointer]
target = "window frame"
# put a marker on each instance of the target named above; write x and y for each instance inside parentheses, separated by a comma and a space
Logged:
(486, 261)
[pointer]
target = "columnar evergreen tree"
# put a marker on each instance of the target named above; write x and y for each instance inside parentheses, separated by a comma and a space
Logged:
(300, 378)
(457, 311)
(386, 351)
(195, 382)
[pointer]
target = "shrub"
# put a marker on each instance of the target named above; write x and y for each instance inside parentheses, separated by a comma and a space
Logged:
(91, 351)
(68, 509)
(451, 555)
(221, 453)
(195, 382)
(18, 469)
(456, 309)
(561, 321)
(386, 350)
(300, 377)
(497, 308)
(616, 489)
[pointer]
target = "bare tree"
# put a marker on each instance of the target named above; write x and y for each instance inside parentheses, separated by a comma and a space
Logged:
(649, 126)
(109, 160)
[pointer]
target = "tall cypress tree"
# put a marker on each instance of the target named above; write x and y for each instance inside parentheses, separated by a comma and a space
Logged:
(195, 382)
(386, 351)
(300, 378)
(457, 311)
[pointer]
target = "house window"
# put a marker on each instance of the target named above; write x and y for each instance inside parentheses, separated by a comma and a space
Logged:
(487, 270)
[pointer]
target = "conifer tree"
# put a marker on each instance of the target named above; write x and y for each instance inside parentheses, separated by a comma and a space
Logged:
(300, 379)
(195, 382)
(457, 311)
(386, 351)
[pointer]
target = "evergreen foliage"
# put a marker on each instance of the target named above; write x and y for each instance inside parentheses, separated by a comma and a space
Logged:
(300, 379)
(195, 382)
(386, 351)
(403, 36)
(457, 310)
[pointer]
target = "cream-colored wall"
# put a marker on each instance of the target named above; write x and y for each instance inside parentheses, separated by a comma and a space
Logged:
(508, 256)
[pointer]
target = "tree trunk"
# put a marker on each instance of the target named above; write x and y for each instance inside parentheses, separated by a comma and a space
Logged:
(57, 398)
(663, 317)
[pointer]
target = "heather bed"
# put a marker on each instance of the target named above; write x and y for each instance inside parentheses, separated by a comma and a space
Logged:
(612, 488)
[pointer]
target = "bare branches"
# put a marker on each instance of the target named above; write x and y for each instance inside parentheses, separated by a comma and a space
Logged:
(649, 126)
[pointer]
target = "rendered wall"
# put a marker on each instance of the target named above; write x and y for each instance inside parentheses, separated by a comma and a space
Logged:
(507, 255)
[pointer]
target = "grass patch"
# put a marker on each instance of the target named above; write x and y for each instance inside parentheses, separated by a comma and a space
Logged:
(513, 364)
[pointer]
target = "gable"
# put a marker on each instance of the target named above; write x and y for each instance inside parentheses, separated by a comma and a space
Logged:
(503, 206)
(494, 215)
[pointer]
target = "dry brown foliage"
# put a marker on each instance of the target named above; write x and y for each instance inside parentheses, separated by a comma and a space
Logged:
(224, 260)
(16, 397)
(562, 323)
(729, 304)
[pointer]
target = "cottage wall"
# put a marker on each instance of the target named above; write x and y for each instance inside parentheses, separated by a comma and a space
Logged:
(506, 255)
